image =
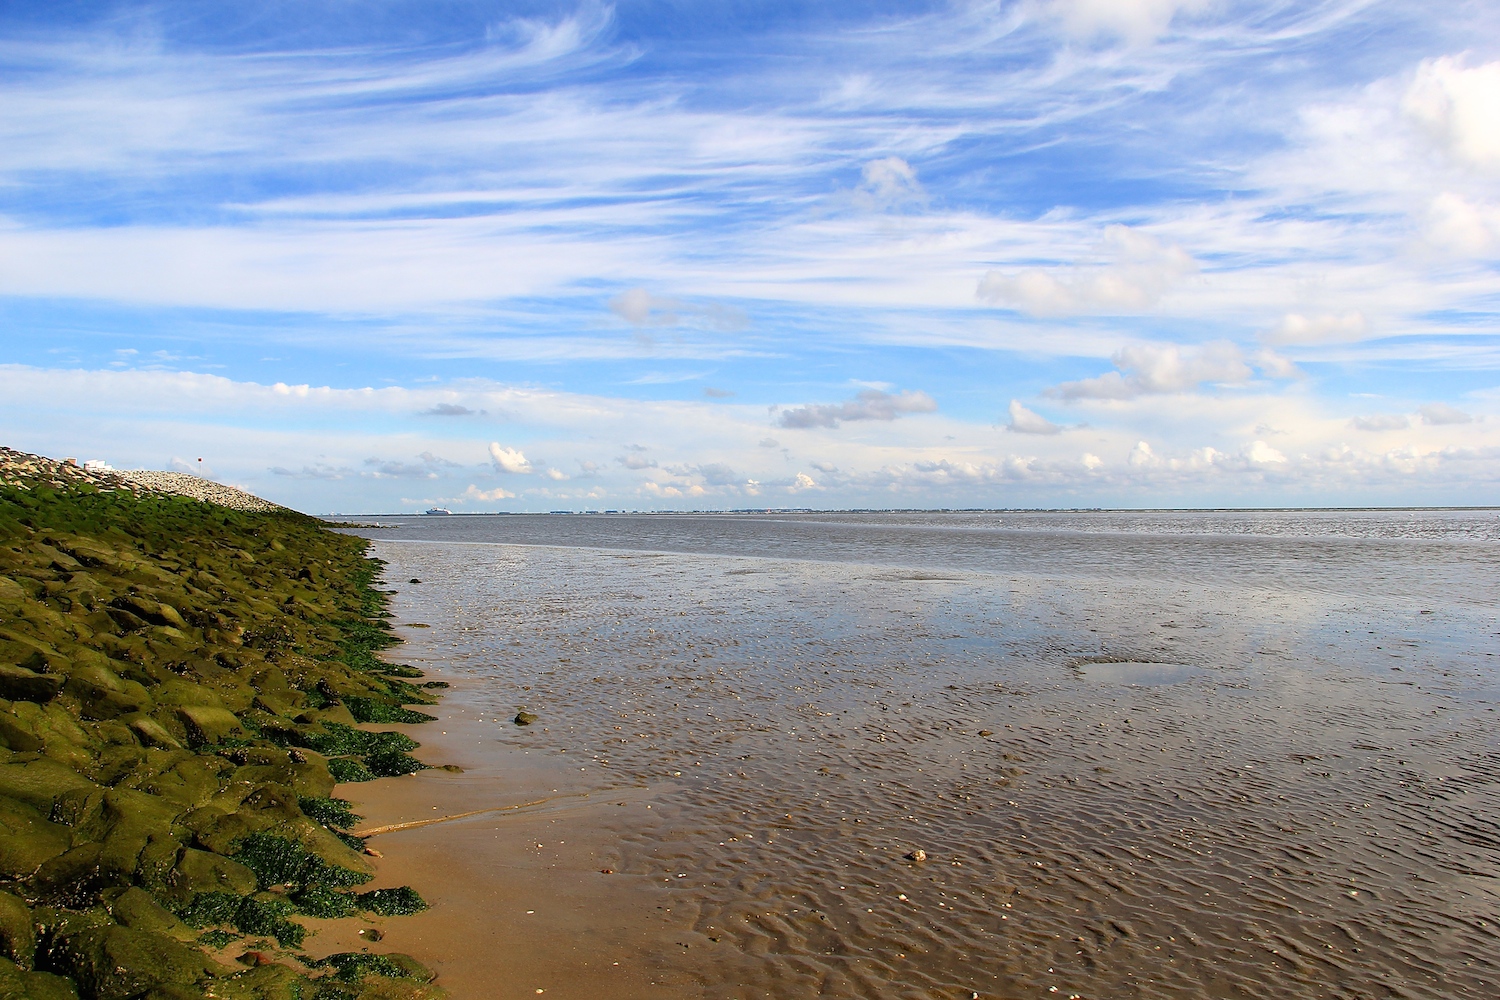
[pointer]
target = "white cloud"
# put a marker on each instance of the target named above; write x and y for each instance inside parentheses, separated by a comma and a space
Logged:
(1458, 225)
(1458, 106)
(871, 404)
(639, 307)
(557, 475)
(509, 459)
(487, 496)
(1160, 368)
(1262, 454)
(1380, 422)
(1298, 328)
(1024, 421)
(1141, 270)
(1441, 414)
(1135, 21)
(889, 183)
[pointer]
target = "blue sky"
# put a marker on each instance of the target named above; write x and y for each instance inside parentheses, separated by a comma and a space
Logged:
(653, 255)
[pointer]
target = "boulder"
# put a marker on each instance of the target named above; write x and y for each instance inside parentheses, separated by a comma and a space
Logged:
(209, 725)
(20, 684)
(17, 931)
(120, 963)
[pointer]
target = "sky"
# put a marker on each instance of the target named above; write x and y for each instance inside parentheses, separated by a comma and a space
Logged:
(385, 255)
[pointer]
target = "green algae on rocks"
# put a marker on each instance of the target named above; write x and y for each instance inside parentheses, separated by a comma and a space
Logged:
(179, 689)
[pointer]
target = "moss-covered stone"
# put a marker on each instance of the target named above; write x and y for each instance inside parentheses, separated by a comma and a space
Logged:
(17, 932)
(205, 724)
(27, 839)
(120, 963)
(20, 684)
(16, 983)
(180, 686)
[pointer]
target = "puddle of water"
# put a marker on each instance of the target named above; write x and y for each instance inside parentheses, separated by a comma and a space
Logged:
(1137, 673)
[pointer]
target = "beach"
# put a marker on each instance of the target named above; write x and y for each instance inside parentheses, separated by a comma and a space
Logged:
(1141, 754)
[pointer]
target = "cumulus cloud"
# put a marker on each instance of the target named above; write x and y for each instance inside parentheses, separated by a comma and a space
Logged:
(1261, 453)
(509, 460)
(498, 493)
(1134, 21)
(803, 482)
(1299, 328)
(1458, 107)
(1439, 414)
(635, 460)
(1380, 422)
(1024, 421)
(1145, 369)
(871, 404)
(557, 475)
(1457, 225)
(889, 183)
(450, 410)
(1141, 270)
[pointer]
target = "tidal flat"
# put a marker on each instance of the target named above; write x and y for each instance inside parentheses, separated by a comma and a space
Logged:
(1146, 754)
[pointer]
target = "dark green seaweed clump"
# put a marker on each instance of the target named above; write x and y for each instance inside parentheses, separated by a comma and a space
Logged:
(179, 689)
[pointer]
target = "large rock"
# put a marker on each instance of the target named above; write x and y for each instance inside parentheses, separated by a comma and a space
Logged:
(27, 839)
(17, 932)
(104, 693)
(38, 783)
(209, 725)
(119, 963)
(148, 610)
(20, 684)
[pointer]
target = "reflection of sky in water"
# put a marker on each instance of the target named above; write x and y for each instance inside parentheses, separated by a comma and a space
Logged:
(1138, 674)
(817, 708)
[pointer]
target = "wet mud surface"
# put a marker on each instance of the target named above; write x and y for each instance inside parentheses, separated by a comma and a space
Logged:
(1143, 785)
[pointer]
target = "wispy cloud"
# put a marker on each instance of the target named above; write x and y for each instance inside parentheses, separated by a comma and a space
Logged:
(871, 404)
(1179, 214)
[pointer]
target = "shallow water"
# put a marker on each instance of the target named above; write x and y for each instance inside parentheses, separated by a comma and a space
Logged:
(1156, 754)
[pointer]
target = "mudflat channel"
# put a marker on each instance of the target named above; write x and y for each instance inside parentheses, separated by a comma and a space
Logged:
(1146, 755)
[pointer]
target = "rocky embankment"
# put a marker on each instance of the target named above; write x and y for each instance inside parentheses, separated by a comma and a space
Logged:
(19, 469)
(180, 688)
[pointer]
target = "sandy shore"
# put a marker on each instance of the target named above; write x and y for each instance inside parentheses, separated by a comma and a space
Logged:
(517, 858)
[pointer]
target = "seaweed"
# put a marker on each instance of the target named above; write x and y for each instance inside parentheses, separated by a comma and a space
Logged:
(247, 914)
(373, 710)
(399, 902)
(352, 966)
(321, 901)
(332, 813)
(278, 861)
(348, 769)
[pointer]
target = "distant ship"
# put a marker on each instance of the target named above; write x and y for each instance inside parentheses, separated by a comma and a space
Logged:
(438, 510)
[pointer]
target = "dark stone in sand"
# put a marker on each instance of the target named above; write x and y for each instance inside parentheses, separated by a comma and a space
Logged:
(524, 718)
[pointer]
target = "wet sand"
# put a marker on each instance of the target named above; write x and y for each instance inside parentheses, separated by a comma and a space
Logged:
(1297, 794)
